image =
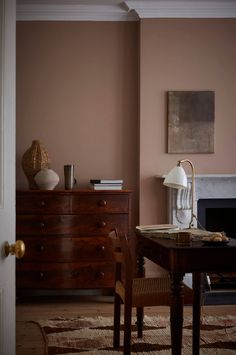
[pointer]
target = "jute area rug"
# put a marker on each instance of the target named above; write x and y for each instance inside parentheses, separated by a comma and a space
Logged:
(85, 336)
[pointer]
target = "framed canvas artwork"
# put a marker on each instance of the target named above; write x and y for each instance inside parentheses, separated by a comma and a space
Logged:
(191, 117)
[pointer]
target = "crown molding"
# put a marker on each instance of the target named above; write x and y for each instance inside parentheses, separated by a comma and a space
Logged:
(129, 10)
(71, 12)
(182, 9)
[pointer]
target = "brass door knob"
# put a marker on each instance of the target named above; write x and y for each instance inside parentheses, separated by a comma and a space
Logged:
(17, 249)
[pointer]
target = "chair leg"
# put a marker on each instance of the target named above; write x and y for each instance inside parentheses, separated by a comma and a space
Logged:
(127, 329)
(116, 332)
(139, 321)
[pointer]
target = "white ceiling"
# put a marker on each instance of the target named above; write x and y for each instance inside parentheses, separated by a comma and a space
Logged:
(122, 10)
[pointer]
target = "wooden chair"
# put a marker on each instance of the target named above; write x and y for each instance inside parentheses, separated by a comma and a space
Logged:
(133, 292)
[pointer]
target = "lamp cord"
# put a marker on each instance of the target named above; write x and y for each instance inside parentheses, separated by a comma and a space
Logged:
(199, 224)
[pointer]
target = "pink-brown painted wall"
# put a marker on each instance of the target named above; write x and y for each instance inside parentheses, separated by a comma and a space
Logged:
(183, 54)
(77, 92)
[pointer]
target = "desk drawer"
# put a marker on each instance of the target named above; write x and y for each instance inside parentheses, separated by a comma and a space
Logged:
(99, 224)
(64, 275)
(66, 249)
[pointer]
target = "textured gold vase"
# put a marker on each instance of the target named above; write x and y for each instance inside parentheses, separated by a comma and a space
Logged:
(34, 159)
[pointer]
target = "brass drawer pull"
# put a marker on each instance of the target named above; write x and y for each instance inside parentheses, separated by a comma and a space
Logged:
(102, 224)
(102, 203)
(42, 203)
(100, 275)
(100, 248)
(41, 275)
(41, 247)
(42, 224)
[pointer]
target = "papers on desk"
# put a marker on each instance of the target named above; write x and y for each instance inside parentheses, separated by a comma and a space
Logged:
(157, 227)
(159, 230)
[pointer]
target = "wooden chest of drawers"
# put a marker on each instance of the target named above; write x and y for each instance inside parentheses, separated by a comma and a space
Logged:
(65, 234)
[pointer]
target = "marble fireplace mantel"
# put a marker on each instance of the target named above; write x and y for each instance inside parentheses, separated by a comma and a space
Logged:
(207, 186)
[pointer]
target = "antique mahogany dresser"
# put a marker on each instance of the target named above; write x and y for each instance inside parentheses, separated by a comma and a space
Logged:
(65, 234)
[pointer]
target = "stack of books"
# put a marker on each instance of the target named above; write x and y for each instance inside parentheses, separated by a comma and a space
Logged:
(106, 184)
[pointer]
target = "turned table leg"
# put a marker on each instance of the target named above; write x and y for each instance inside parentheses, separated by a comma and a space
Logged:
(140, 312)
(197, 293)
(176, 312)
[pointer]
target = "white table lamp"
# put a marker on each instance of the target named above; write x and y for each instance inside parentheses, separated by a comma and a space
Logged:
(177, 179)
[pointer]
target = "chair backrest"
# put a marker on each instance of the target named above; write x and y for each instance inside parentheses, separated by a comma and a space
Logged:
(122, 256)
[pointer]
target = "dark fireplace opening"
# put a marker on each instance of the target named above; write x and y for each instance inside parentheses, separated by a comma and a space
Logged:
(218, 215)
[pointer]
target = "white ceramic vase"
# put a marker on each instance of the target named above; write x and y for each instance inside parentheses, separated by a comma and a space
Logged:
(46, 179)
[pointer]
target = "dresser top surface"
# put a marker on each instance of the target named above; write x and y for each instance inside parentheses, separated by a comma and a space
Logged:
(74, 191)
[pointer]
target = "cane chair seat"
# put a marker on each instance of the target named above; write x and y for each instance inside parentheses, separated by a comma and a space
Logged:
(147, 291)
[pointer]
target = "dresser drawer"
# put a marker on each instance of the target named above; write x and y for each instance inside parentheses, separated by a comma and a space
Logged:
(100, 203)
(66, 249)
(99, 224)
(64, 275)
(34, 203)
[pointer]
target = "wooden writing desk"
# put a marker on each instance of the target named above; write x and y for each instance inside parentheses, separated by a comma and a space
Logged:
(178, 260)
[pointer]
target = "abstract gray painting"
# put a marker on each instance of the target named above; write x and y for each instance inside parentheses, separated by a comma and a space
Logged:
(191, 116)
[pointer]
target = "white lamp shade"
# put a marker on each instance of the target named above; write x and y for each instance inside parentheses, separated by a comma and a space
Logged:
(176, 178)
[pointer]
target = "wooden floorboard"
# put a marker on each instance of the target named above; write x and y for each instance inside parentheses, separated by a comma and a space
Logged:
(29, 339)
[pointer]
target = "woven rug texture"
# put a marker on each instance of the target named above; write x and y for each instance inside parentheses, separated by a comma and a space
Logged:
(85, 336)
